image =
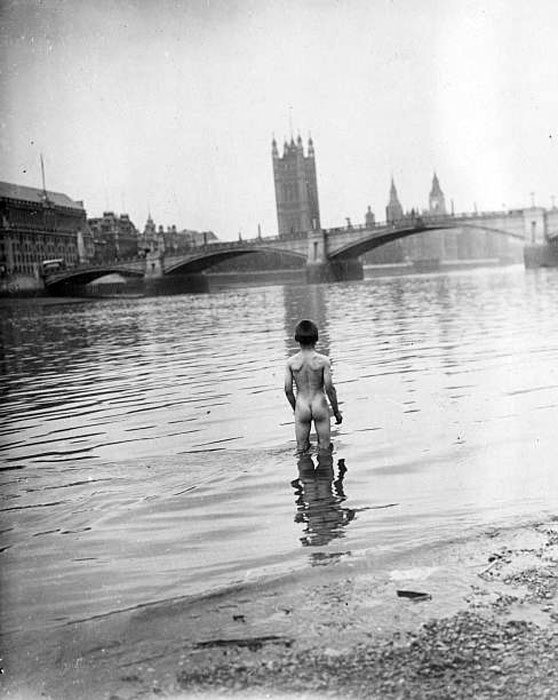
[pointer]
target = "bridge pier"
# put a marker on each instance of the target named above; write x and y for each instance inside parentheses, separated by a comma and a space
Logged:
(156, 282)
(319, 268)
(175, 284)
(334, 271)
(154, 265)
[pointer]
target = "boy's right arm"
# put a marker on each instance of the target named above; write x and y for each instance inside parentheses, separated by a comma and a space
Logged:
(330, 391)
(289, 386)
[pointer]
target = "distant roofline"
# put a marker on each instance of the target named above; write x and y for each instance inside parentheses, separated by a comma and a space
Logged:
(36, 195)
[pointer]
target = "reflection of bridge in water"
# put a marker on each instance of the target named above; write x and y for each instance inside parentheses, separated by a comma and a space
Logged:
(329, 254)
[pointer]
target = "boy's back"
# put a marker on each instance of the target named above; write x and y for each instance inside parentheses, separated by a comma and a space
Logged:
(307, 368)
(310, 372)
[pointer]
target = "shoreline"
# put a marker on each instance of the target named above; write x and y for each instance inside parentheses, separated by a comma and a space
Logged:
(219, 281)
(11, 302)
(486, 628)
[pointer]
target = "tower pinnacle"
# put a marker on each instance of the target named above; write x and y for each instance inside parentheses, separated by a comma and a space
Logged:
(394, 210)
(436, 199)
(296, 188)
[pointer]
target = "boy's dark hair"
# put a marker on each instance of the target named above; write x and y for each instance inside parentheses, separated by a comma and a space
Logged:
(306, 333)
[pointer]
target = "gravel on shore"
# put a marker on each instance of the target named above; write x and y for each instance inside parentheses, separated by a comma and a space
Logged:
(484, 625)
(503, 644)
(464, 656)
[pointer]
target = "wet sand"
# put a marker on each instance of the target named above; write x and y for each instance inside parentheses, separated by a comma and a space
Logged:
(485, 628)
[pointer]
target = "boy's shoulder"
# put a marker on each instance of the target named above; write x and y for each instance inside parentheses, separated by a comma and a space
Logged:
(315, 358)
(292, 359)
(321, 358)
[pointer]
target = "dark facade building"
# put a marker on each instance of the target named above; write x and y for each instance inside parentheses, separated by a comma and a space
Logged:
(36, 226)
(115, 237)
(296, 187)
(148, 238)
(171, 241)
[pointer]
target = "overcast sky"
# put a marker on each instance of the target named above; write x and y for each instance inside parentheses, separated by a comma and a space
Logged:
(170, 106)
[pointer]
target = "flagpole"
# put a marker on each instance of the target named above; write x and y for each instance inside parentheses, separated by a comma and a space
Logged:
(43, 176)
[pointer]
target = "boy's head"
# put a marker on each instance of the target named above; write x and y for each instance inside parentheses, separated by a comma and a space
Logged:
(306, 333)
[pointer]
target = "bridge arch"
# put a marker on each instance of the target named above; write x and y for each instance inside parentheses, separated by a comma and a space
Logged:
(492, 229)
(377, 238)
(199, 262)
(80, 277)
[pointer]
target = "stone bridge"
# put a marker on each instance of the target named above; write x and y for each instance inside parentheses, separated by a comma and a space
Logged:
(329, 254)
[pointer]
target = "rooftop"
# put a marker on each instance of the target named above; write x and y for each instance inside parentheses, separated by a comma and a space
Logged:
(35, 195)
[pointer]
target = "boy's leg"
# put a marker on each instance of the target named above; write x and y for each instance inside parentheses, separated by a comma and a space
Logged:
(303, 421)
(323, 431)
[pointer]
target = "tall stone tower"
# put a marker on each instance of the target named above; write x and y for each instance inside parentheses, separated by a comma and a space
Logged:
(369, 218)
(436, 200)
(296, 187)
(394, 210)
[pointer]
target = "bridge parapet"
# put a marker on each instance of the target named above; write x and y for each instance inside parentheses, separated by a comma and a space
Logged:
(244, 242)
(330, 253)
(135, 262)
(418, 220)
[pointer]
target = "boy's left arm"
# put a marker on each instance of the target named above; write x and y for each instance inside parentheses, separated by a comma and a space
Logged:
(289, 393)
(330, 391)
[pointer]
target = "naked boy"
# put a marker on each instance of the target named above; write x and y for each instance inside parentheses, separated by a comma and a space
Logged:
(311, 373)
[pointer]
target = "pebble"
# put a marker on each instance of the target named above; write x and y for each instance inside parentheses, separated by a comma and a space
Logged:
(453, 657)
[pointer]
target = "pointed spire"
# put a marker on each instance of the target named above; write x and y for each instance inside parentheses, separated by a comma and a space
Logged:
(394, 210)
(310, 147)
(437, 202)
(436, 189)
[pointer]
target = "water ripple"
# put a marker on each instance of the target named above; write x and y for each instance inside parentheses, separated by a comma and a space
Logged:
(148, 450)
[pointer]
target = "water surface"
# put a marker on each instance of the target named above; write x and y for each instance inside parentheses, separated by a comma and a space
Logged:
(148, 451)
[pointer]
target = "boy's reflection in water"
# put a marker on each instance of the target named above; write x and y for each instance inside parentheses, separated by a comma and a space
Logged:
(319, 496)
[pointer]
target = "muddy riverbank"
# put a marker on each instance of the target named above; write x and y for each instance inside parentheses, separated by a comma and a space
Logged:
(486, 627)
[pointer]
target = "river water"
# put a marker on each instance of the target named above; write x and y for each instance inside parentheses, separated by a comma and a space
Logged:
(148, 449)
